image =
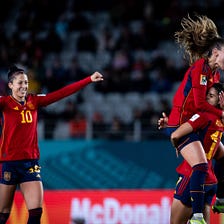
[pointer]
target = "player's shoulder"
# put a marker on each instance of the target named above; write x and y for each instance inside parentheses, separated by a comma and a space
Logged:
(200, 64)
(203, 66)
(3, 97)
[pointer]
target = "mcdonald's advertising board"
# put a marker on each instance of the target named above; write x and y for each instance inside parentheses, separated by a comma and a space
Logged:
(102, 207)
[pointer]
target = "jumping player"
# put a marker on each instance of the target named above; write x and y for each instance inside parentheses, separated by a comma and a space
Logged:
(204, 49)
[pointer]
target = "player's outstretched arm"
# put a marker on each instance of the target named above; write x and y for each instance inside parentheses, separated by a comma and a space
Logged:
(96, 77)
(69, 89)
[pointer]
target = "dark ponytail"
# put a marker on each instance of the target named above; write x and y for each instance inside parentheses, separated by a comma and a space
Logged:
(13, 70)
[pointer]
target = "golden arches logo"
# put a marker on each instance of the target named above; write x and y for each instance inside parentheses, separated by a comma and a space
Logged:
(20, 215)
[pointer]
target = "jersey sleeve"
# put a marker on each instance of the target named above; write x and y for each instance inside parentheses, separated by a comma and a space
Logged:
(44, 100)
(199, 86)
(198, 121)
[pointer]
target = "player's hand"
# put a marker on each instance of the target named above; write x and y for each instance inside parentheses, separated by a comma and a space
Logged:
(96, 77)
(162, 122)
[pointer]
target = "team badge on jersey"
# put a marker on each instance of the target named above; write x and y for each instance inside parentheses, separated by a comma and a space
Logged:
(30, 105)
(7, 176)
(203, 80)
(219, 123)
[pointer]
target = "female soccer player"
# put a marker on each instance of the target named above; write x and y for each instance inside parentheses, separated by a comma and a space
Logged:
(204, 49)
(210, 129)
(19, 152)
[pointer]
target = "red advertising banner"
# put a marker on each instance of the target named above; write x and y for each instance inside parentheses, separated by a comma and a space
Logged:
(102, 207)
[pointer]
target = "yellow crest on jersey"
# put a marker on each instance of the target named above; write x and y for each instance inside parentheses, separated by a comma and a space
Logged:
(30, 105)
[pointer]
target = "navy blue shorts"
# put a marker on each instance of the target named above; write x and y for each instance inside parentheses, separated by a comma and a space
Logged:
(185, 140)
(16, 172)
(182, 191)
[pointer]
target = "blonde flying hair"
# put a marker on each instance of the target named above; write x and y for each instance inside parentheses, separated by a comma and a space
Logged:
(198, 37)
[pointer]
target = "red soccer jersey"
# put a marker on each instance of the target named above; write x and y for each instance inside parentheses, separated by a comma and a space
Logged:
(19, 125)
(210, 128)
(190, 97)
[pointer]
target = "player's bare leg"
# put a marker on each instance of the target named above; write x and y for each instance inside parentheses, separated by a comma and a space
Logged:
(33, 195)
(180, 213)
(7, 193)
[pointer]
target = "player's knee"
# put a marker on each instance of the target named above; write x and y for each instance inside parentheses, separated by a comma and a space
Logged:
(202, 167)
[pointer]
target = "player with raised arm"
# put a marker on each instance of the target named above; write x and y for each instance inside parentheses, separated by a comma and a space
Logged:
(19, 151)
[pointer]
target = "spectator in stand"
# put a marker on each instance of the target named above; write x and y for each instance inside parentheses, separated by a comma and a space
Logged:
(116, 129)
(99, 126)
(56, 75)
(74, 71)
(69, 111)
(53, 42)
(78, 125)
(87, 42)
